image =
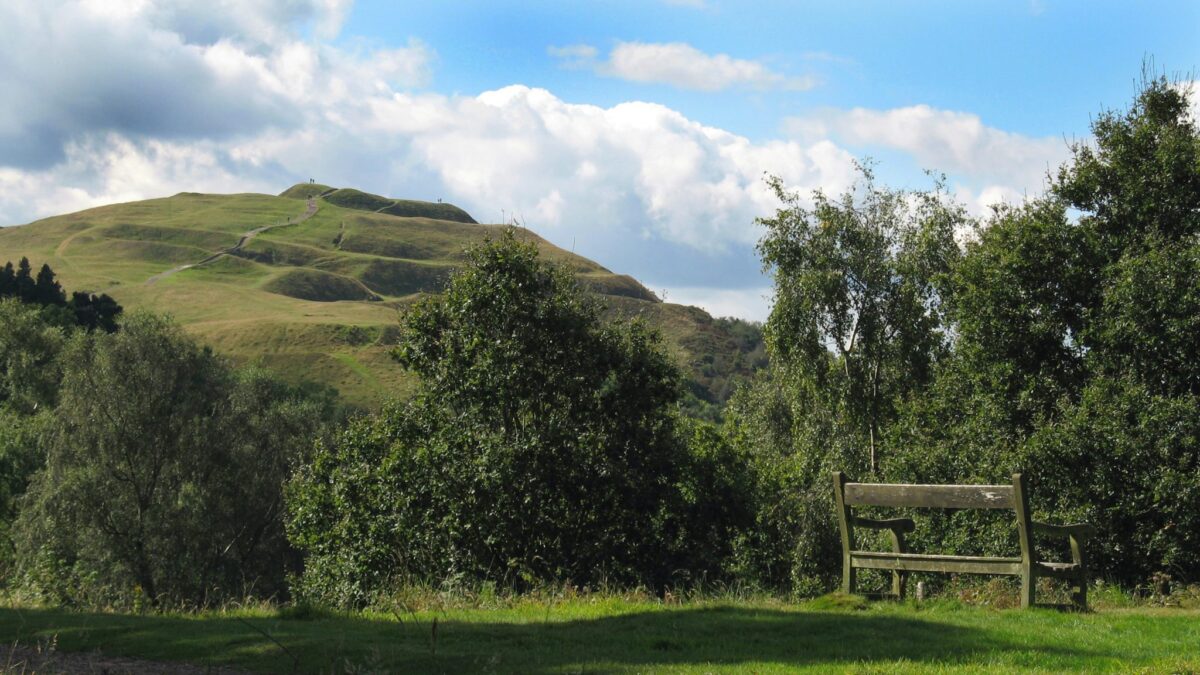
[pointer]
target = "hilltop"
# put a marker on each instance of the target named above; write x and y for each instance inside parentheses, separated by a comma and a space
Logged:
(309, 282)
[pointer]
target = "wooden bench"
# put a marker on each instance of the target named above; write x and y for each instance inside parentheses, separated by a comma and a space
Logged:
(901, 561)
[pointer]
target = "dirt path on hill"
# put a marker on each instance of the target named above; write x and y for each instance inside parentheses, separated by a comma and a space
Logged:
(309, 212)
(62, 246)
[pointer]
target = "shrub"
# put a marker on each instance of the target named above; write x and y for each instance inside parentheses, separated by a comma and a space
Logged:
(163, 474)
(543, 446)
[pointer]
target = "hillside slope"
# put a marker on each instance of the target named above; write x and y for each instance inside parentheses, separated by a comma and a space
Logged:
(309, 282)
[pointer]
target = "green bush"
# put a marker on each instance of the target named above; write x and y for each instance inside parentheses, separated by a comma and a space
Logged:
(1128, 461)
(163, 474)
(543, 446)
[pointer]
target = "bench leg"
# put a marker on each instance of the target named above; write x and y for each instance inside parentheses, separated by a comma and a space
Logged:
(899, 584)
(1028, 588)
(849, 577)
(899, 579)
(1079, 557)
(1080, 594)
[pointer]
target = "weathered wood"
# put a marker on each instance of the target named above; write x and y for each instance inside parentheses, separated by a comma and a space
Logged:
(893, 524)
(1025, 535)
(921, 562)
(930, 496)
(849, 576)
(1076, 571)
(899, 578)
(901, 562)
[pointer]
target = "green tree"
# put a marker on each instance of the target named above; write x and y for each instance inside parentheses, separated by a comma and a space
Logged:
(46, 289)
(29, 348)
(84, 309)
(858, 326)
(163, 474)
(543, 445)
(95, 311)
(858, 315)
(23, 281)
(8, 280)
(1137, 188)
(1077, 358)
(29, 376)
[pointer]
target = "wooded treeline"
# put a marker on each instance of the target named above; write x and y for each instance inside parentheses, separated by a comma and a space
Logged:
(909, 342)
(85, 309)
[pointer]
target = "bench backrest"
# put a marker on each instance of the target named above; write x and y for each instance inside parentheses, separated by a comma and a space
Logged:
(930, 496)
(1015, 497)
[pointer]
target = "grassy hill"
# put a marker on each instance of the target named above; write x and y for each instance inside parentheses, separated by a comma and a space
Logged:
(309, 282)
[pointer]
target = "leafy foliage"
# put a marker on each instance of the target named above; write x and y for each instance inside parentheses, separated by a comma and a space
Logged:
(543, 445)
(858, 325)
(1061, 343)
(163, 473)
(1077, 353)
(857, 320)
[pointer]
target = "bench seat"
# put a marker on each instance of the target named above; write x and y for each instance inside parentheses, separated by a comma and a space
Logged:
(918, 562)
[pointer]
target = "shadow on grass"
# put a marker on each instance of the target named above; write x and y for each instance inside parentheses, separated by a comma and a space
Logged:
(645, 640)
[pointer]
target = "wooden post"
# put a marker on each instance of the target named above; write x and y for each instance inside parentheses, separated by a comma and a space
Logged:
(899, 579)
(848, 573)
(1025, 531)
(1079, 557)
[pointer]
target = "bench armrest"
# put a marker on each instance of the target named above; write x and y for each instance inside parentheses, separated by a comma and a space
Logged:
(894, 524)
(1077, 530)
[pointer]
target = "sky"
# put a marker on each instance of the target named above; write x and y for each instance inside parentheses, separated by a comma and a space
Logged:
(636, 133)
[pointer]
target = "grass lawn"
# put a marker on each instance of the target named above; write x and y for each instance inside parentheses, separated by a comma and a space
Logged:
(604, 634)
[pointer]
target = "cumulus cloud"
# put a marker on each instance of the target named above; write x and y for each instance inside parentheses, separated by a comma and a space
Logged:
(109, 168)
(637, 185)
(680, 65)
(146, 99)
(637, 168)
(998, 165)
(172, 70)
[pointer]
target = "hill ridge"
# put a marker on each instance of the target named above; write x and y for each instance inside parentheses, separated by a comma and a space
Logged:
(314, 295)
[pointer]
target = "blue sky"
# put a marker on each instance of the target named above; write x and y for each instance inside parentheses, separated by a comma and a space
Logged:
(1040, 68)
(635, 133)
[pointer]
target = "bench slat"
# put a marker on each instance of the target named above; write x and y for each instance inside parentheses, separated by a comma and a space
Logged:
(916, 562)
(931, 496)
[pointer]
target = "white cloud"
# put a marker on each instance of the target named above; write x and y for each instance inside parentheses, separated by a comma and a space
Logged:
(680, 65)
(147, 99)
(109, 168)
(246, 21)
(174, 70)
(637, 168)
(994, 162)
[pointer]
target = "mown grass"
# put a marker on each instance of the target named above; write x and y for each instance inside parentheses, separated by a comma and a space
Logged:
(612, 634)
